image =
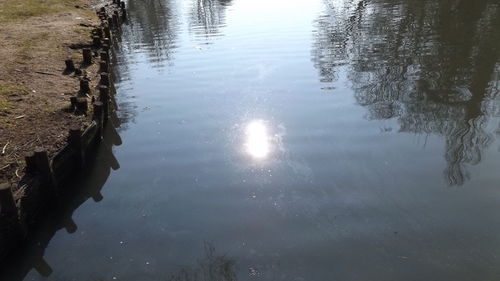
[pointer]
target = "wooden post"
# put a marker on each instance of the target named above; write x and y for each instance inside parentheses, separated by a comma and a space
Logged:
(105, 57)
(104, 98)
(75, 141)
(30, 163)
(96, 41)
(98, 118)
(116, 21)
(106, 41)
(107, 32)
(87, 56)
(111, 23)
(117, 16)
(70, 66)
(44, 170)
(103, 66)
(7, 202)
(122, 5)
(81, 105)
(124, 14)
(105, 48)
(98, 32)
(104, 79)
(103, 10)
(84, 86)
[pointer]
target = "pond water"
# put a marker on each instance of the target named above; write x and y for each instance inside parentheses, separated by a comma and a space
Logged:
(294, 140)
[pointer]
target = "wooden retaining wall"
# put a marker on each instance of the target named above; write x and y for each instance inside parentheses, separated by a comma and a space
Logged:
(45, 181)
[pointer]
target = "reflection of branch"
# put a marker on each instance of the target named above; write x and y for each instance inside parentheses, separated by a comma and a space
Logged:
(210, 268)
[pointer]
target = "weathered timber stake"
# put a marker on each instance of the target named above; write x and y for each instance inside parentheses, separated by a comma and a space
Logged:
(75, 141)
(122, 5)
(96, 41)
(111, 23)
(44, 170)
(116, 22)
(70, 66)
(87, 56)
(107, 32)
(104, 56)
(98, 118)
(30, 163)
(98, 32)
(104, 79)
(104, 98)
(105, 48)
(84, 86)
(72, 100)
(103, 10)
(78, 71)
(117, 15)
(103, 66)
(124, 14)
(7, 202)
(81, 105)
(106, 41)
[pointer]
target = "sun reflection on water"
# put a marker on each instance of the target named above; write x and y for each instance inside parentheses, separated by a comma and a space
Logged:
(257, 140)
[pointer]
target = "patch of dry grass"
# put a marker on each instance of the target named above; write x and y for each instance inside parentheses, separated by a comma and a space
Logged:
(12, 10)
(6, 90)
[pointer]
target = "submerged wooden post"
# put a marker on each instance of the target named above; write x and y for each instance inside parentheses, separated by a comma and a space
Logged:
(7, 202)
(104, 98)
(87, 56)
(70, 66)
(75, 142)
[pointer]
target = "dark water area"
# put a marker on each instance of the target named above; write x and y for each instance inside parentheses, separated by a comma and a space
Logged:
(293, 140)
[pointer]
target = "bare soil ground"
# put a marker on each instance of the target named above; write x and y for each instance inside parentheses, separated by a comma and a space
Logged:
(34, 91)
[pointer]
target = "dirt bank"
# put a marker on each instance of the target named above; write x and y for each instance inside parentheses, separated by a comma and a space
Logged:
(36, 37)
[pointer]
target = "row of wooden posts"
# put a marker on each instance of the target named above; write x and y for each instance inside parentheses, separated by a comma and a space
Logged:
(38, 163)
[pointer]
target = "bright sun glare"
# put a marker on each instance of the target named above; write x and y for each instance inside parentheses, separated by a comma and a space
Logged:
(257, 139)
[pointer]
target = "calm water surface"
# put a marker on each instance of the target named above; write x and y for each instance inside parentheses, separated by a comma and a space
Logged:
(294, 140)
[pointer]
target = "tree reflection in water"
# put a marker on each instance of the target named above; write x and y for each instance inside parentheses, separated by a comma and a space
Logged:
(432, 65)
(207, 16)
(154, 27)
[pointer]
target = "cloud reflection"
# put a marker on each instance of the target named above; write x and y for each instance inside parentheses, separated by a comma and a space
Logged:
(257, 142)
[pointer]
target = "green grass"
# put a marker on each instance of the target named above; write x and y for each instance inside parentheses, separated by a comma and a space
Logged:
(12, 10)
